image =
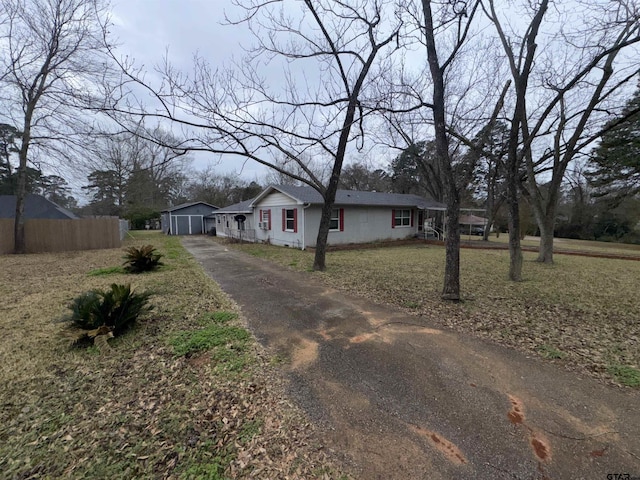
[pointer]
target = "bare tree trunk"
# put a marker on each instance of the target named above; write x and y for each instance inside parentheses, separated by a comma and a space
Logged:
(319, 261)
(20, 244)
(489, 210)
(515, 250)
(545, 252)
(451, 288)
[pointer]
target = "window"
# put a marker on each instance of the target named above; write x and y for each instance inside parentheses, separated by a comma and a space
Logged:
(402, 218)
(290, 221)
(334, 223)
(265, 219)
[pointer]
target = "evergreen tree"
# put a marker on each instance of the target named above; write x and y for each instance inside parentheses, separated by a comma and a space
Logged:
(615, 165)
(8, 136)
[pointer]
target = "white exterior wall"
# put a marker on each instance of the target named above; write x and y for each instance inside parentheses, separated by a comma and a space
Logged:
(276, 203)
(361, 225)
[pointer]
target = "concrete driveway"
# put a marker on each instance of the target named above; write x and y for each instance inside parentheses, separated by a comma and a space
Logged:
(405, 400)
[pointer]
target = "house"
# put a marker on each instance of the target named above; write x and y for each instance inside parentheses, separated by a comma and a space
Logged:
(35, 207)
(290, 216)
(186, 219)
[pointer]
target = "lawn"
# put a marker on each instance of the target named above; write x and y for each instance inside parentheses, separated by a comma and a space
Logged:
(185, 394)
(582, 312)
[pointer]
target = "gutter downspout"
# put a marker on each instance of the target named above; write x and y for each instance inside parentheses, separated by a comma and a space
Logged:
(304, 207)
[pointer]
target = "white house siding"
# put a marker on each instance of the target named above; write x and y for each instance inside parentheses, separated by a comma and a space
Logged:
(361, 225)
(276, 203)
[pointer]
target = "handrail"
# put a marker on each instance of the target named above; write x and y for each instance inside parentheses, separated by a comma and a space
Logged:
(435, 231)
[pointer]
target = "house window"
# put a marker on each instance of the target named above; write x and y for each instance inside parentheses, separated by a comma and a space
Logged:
(265, 219)
(290, 220)
(334, 223)
(337, 220)
(402, 218)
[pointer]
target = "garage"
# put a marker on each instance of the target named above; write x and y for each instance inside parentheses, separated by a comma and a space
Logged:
(186, 219)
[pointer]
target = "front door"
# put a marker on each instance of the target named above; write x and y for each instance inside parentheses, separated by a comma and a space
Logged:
(420, 220)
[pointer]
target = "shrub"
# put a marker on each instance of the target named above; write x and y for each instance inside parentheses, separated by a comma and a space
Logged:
(106, 312)
(143, 259)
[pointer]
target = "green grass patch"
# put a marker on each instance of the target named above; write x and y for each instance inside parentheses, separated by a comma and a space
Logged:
(218, 333)
(99, 272)
(212, 470)
(550, 352)
(625, 375)
(249, 430)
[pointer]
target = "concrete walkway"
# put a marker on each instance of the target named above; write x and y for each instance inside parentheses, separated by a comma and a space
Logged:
(405, 400)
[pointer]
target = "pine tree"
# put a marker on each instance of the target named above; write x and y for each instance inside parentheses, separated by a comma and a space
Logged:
(615, 172)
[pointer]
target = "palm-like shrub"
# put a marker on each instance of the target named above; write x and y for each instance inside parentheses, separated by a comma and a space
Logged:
(143, 259)
(112, 311)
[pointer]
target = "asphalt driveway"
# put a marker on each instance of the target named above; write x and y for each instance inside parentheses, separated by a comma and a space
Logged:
(405, 400)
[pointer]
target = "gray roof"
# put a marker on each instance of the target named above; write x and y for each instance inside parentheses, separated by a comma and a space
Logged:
(353, 197)
(35, 206)
(186, 205)
(241, 207)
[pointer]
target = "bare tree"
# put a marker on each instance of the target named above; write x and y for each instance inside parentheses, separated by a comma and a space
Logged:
(566, 80)
(245, 111)
(460, 16)
(128, 172)
(51, 54)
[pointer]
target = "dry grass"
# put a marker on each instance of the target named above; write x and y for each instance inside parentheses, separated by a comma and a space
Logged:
(139, 410)
(568, 244)
(581, 311)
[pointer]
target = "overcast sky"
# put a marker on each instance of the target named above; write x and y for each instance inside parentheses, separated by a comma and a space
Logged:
(147, 29)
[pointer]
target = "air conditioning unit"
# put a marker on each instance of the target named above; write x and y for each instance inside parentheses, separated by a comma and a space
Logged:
(263, 225)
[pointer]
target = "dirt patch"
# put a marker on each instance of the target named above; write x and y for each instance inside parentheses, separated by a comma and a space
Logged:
(516, 414)
(304, 353)
(450, 451)
(365, 337)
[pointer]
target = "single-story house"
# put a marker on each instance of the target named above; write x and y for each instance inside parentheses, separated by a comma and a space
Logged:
(35, 207)
(186, 219)
(290, 216)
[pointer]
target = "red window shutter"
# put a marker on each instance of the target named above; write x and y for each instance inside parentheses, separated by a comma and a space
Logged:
(393, 219)
(284, 220)
(295, 220)
(342, 219)
(260, 219)
(269, 217)
(411, 217)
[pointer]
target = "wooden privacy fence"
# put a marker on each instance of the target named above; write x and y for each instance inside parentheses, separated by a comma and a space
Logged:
(63, 235)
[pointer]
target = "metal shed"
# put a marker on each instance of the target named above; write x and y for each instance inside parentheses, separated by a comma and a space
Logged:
(186, 219)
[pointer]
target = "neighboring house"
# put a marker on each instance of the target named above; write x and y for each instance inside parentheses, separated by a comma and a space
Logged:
(35, 207)
(290, 216)
(186, 219)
